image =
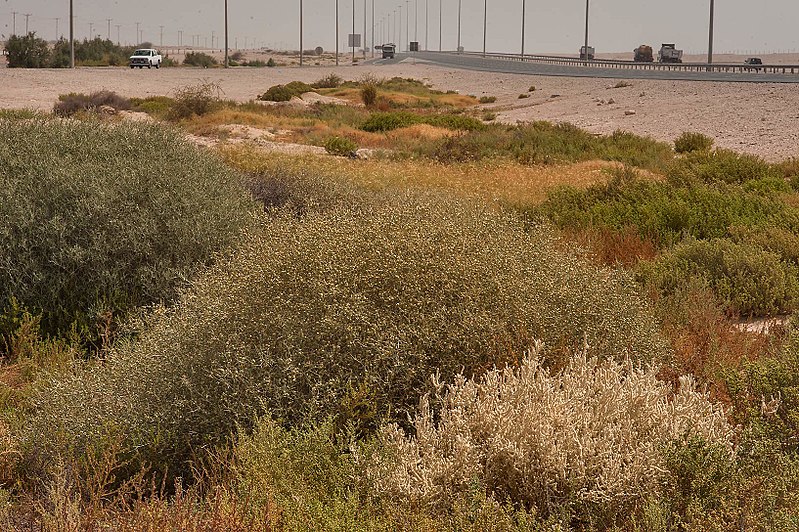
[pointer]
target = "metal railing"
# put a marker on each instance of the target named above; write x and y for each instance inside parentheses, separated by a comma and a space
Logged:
(631, 65)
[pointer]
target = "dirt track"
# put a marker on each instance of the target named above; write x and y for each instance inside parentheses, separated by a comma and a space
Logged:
(753, 118)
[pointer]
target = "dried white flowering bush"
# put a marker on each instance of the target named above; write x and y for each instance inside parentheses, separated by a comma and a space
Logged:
(590, 438)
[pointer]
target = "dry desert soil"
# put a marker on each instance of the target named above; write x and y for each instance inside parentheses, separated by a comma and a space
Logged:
(761, 119)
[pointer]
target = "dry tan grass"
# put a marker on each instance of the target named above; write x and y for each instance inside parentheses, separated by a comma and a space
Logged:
(505, 182)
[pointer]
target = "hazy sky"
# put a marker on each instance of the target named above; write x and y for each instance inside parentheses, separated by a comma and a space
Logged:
(552, 25)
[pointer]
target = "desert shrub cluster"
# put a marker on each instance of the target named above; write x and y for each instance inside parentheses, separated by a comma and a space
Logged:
(116, 216)
(200, 59)
(328, 314)
(299, 351)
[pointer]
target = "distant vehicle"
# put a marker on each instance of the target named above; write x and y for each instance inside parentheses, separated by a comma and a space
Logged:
(643, 54)
(590, 55)
(669, 54)
(388, 51)
(145, 57)
(755, 63)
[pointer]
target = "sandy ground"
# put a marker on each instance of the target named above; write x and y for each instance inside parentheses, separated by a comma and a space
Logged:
(761, 119)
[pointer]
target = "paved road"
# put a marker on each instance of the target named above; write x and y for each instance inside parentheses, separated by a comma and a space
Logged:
(471, 62)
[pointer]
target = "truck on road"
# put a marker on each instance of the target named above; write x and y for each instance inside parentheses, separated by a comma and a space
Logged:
(643, 54)
(388, 51)
(146, 57)
(669, 54)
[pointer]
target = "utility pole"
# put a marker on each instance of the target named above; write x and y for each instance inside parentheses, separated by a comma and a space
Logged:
(227, 44)
(524, 13)
(180, 37)
(109, 28)
(353, 31)
(586, 30)
(213, 39)
(710, 40)
(399, 36)
(56, 28)
(365, 14)
(338, 40)
(27, 16)
(71, 36)
(161, 41)
(301, 52)
(91, 31)
(118, 27)
(416, 21)
(440, 23)
(460, 5)
(426, 23)
(137, 34)
(14, 22)
(407, 25)
(485, 25)
(374, 29)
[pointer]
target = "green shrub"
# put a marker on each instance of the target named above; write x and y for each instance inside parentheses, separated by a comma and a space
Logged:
(746, 279)
(310, 309)
(487, 99)
(664, 212)
(719, 166)
(341, 146)
(454, 122)
(195, 100)
(96, 226)
(157, 106)
(369, 94)
(72, 103)
(331, 81)
(383, 122)
(200, 59)
(690, 142)
(284, 93)
(523, 96)
(27, 51)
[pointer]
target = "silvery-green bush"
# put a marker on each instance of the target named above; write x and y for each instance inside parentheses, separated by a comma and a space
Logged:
(309, 309)
(106, 216)
(590, 442)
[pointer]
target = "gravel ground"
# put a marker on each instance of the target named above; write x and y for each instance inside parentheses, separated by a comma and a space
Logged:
(755, 118)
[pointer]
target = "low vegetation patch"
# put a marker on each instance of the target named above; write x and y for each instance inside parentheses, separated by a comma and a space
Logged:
(690, 142)
(284, 93)
(200, 59)
(666, 212)
(341, 146)
(72, 103)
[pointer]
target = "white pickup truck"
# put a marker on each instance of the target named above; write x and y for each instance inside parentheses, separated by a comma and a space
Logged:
(146, 57)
